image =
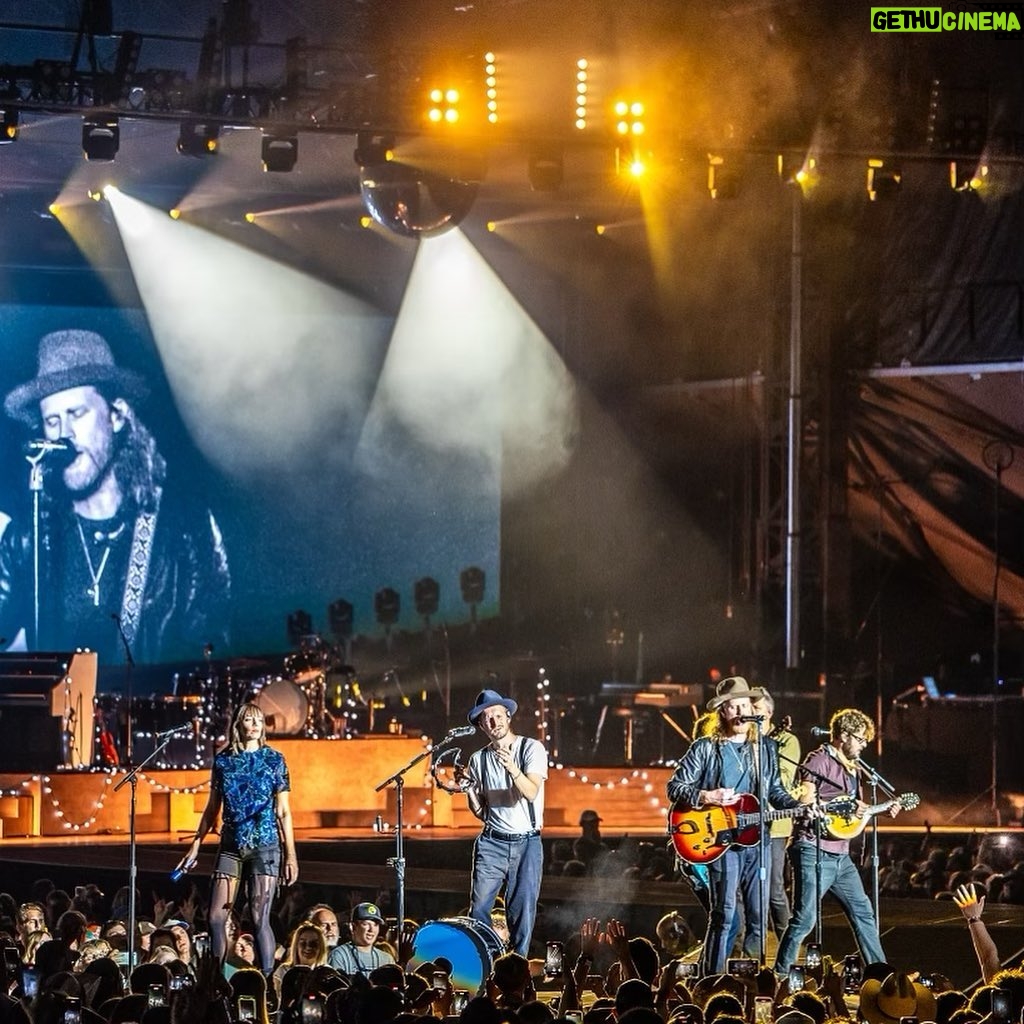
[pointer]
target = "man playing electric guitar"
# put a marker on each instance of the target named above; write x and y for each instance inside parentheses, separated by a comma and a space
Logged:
(834, 766)
(720, 771)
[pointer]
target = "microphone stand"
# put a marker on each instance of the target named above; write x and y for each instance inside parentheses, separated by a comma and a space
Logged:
(764, 830)
(817, 779)
(129, 671)
(876, 782)
(133, 778)
(398, 860)
(35, 485)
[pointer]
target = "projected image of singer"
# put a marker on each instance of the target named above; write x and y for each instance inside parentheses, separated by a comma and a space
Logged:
(120, 547)
(505, 785)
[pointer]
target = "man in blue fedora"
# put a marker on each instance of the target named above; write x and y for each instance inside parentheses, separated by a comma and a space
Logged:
(504, 782)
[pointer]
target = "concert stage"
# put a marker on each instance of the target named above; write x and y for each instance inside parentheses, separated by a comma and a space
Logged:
(333, 785)
(73, 828)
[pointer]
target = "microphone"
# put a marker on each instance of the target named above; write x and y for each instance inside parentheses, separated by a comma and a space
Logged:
(750, 718)
(42, 445)
(817, 730)
(179, 873)
(462, 730)
(174, 732)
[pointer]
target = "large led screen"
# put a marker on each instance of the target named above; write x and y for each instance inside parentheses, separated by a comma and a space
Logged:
(172, 488)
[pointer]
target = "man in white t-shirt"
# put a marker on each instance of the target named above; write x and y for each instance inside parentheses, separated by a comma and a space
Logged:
(504, 783)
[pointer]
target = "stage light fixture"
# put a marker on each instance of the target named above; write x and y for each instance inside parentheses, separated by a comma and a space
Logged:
(884, 181)
(101, 137)
(8, 125)
(798, 170)
(472, 581)
(723, 178)
(964, 178)
(545, 166)
(373, 148)
(341, 618)
(279, 152)
(300, 624)
(630, 127)
(444, 106)
(198, 138)
(491, 86)
(582, 86)
(427, 595)
(387, 606)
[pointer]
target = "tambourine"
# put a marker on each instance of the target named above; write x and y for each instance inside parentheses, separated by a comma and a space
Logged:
(438, 767)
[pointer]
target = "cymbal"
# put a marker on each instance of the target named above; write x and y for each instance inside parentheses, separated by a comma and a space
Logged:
(237, 664)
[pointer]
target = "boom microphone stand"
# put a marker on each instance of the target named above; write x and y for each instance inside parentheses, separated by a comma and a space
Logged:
(129, 672)
(816, 778)
(876, 782)
(764, 838)
(133, 778)
(398, 860)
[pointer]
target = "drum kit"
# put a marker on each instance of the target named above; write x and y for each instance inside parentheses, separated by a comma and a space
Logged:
(469, 945)
(311, 694)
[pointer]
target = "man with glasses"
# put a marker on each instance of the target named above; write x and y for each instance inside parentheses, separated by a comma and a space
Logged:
(833, 768)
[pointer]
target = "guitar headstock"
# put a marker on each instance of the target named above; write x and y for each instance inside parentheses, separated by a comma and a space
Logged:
(908, 801)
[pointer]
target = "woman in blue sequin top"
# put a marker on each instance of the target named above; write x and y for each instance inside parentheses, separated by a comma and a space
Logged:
(249, 790)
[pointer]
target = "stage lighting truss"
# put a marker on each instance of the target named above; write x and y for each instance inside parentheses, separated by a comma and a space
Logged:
(101, 137)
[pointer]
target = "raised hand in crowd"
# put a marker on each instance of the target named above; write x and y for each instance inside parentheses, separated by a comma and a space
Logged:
(616, 937)
(972, 906)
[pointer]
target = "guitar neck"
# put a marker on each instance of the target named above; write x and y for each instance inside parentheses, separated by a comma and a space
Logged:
(752, 818)
(878, 808)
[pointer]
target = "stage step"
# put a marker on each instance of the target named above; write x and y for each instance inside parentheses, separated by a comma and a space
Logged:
(17, 813)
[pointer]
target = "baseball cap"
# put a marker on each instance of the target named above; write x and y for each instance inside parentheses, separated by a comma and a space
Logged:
(367, 912)
(590, 816)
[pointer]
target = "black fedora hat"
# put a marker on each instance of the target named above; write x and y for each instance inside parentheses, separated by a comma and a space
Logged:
(71, 359)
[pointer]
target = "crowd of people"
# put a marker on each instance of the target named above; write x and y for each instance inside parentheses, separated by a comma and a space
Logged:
(65, 962)
(251, 946)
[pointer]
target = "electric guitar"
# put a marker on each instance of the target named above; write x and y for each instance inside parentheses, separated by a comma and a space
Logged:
(841, 820)
(702, 836)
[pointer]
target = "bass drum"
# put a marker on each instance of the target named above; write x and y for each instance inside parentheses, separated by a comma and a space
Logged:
(470, 945)
(284, 706)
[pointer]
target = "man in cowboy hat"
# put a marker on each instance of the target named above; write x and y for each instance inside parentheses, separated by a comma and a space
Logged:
(504, 783)
(721, 770)
(123, 559)
(889, 1001)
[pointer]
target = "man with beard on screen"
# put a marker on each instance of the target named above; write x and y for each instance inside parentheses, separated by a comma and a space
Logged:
(125, 559)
